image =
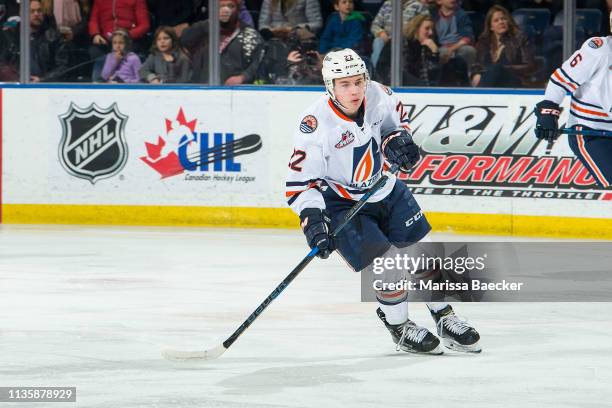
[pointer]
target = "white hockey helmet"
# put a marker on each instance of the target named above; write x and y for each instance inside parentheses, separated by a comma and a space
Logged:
(341, 64)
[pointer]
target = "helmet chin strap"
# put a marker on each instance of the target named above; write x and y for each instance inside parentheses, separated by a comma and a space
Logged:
(338, 104)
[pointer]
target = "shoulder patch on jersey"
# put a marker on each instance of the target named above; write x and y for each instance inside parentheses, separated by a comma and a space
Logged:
(309, 124)
(345, 140)
(596, 43)
(387, 90)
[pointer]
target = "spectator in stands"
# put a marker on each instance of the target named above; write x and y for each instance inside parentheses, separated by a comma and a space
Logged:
(9, 14)
(106, 17)
(49, 53)
(166, 63)
(70, 17)
(245, 16)
(421, 66)
(176, 13)
(344, 28)
(609, 22)
(9, 41)
(303, 66)
(454, 32)
(381, 26)
(121, 65)
(240, 47)
(505, 55)
(277, 18)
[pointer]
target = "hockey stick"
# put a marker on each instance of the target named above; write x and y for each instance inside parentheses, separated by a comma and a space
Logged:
(216, 352)
(575, 132)
(586, 132)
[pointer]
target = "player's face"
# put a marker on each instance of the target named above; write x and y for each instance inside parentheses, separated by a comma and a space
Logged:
(350, 92)
(499, 23)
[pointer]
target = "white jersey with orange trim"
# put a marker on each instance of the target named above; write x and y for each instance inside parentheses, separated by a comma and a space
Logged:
(333, 151)
(587, 76)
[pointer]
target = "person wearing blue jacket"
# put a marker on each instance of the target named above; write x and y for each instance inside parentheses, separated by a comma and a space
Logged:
(344, 28)
(454, 32)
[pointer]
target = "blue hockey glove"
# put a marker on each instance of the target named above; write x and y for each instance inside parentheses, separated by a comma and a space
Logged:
(399, 149)
(316, 224)
(547, 126)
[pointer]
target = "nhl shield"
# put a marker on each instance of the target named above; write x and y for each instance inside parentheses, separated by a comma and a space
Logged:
(93, 144)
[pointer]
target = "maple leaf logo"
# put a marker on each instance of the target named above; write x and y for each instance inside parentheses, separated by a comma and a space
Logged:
(162, 156)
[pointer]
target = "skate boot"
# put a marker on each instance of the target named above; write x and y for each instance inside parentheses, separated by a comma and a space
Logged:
(456, 334)
(412, 338)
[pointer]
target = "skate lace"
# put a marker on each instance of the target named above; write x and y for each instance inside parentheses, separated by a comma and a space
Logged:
(413, 333)
(453, 324)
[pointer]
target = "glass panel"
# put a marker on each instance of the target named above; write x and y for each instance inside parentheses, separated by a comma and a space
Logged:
(9, 41)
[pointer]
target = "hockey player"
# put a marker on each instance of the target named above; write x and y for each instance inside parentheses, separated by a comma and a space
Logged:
(341, 145)
(587, 76)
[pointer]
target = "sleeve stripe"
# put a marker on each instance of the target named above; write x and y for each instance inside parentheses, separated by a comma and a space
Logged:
(589, 111)
(292, 199)
(585, 103)
(575, 114)
(568, 77)
(295, 194)
(297, 183)
(556, 75)
(560, 85)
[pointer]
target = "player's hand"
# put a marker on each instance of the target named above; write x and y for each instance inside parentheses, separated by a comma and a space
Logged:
(315, 224)
(547, 126)
(399, 149)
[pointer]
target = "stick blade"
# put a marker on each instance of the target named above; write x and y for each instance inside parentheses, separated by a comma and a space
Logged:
(190, 356)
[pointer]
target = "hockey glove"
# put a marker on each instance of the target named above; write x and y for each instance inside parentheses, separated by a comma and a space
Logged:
(315, 224)
(547, 126)
(399, 149)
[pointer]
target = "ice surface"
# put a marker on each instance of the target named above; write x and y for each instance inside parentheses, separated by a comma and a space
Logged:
(92, 307)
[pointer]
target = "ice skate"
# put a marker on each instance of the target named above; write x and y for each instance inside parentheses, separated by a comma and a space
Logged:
(456, 334)
(412, 338)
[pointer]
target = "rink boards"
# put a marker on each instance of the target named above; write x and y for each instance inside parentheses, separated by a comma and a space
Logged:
(139, 155)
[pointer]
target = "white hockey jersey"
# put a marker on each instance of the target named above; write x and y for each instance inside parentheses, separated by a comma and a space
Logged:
(587, 76)
(333, 151)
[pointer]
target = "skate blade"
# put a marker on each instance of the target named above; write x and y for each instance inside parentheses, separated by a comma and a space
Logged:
(453, 345)
(436, 352)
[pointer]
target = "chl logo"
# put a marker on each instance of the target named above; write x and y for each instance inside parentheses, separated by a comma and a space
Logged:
(93, 144)
(184, 148)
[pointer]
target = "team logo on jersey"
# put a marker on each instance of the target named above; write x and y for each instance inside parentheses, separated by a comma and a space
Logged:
(309, 124)
(346, 139)
(366, 162)
(596, 43)
(93, 144)
(387, 90)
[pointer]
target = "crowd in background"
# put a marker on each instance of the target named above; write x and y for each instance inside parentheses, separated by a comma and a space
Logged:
(488, 43)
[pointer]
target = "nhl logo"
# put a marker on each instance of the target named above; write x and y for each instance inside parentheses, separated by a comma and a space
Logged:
(93, 143)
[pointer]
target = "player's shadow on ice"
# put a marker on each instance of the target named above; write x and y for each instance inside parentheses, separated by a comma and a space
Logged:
(271, 380)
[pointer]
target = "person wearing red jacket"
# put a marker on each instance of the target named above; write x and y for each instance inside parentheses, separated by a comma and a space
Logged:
(109, 15)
